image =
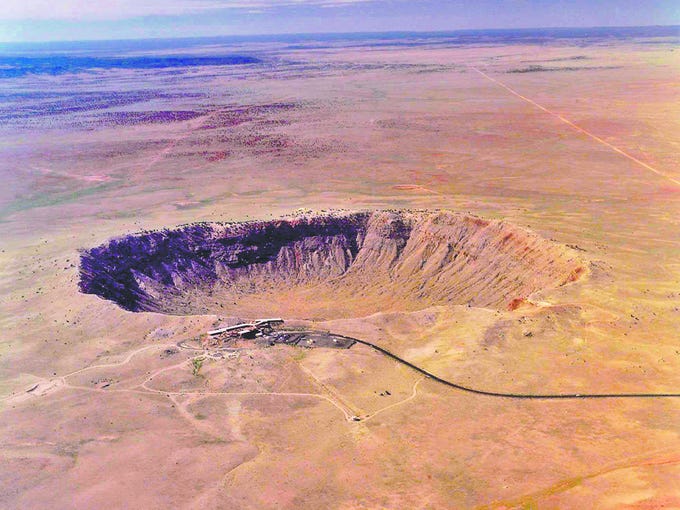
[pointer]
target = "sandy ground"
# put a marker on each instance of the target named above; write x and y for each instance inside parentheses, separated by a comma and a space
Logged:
(113, 420)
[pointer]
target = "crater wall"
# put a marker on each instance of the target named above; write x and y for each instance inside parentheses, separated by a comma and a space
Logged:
(359, 262)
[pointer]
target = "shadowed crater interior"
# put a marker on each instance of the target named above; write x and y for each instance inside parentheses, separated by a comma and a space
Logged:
(325, 266)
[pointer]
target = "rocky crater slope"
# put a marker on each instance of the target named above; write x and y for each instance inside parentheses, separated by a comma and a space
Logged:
(333, 265)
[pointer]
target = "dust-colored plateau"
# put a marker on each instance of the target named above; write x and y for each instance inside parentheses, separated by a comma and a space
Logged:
(502, 212)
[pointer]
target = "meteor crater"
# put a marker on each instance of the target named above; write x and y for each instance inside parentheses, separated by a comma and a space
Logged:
(330, 265)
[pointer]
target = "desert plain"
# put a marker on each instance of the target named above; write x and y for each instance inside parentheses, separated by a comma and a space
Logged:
(573, 140)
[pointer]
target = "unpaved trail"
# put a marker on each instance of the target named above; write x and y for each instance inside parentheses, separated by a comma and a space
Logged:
(578, 128)
(349, 409)
(127, 360)
(413, 395)
(198, 424)
(47, 386)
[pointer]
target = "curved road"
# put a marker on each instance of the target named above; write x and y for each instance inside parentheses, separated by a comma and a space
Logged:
(526, 396)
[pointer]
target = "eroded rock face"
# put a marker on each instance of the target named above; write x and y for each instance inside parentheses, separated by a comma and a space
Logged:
(365, 261)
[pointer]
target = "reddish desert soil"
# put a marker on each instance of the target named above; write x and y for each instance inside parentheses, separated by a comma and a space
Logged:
(115, 418)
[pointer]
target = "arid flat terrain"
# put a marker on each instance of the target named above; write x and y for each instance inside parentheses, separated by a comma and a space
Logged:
(570, 146)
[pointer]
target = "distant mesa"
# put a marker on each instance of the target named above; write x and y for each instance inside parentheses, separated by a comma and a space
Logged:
(17, 66)
(328, 265)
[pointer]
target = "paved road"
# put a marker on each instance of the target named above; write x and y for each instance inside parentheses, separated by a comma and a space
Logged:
(526, 396)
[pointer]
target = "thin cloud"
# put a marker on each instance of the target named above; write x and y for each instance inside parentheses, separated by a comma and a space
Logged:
(89, 10)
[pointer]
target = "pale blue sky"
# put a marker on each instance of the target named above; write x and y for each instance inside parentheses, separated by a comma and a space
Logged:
(44, 20)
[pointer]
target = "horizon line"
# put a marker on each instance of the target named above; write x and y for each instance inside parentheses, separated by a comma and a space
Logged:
(377, 32)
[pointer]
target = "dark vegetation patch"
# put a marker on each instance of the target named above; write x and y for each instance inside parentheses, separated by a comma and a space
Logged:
(541, 69)
(42, 105)
(559, 59)
(240, 114)
(253, 130)
(149, 117)
(215, 156)
(270, 145)
(426, 125)
(265, 143)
